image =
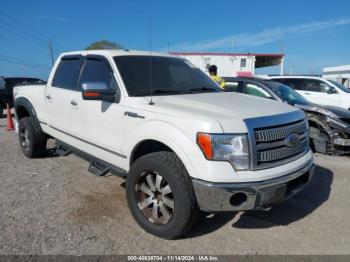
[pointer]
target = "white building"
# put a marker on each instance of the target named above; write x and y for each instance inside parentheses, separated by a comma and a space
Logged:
(341, 74)
(233, 64)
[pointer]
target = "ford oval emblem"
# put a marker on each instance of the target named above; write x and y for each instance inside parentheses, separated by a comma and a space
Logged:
(292, 140)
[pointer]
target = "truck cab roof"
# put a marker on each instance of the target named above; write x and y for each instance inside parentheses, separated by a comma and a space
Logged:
(117, 52)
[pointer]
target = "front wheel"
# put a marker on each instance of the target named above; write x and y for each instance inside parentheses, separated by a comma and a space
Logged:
(160, 195)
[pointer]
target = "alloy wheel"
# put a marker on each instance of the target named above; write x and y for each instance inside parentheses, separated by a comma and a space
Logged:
(155, 198)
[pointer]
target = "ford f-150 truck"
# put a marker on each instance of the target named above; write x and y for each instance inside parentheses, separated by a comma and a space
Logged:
(182, 144)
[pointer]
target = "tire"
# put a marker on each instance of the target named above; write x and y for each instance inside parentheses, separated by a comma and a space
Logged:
(1, 111)
(174, 193)
(32, 140)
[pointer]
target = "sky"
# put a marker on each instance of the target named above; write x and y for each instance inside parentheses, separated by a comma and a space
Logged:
(312, 34)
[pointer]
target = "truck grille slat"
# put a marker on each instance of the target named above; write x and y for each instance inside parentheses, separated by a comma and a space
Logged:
(266, 139)
(271, 134)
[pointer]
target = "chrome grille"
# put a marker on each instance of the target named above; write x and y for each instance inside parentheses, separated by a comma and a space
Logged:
(274, 154)
(273, 147)
(272, 134)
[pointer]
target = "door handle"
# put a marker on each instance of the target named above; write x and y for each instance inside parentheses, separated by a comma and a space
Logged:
(73, 103)
(307, 93)
(48, 97)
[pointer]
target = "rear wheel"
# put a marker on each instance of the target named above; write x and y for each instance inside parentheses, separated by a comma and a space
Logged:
(160, 195)
(31, 138)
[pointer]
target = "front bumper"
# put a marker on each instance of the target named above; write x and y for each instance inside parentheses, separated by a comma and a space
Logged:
(217, 197)
(341, 142)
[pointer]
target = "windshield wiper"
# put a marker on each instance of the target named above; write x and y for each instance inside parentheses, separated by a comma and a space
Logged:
(204, 89)
(164, 91)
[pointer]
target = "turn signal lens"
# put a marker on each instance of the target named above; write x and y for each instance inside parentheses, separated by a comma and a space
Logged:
(91, 94)
(232, 148)
(204, 142)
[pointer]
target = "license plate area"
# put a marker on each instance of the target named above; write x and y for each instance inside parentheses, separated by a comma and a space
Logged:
(272, 195)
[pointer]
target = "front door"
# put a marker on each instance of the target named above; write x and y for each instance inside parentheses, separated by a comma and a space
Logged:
(97, 124)
(320, 92)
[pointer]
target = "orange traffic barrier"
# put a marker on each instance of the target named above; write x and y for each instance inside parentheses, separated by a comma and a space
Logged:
(10, 125)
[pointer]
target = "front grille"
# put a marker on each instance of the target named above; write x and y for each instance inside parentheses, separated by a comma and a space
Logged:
(282, 152)
(274, 145)
(272, 134)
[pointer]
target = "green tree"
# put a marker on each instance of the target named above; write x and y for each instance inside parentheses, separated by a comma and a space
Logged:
(104, 44)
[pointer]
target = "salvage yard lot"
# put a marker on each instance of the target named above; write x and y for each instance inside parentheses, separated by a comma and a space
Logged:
(54, 205)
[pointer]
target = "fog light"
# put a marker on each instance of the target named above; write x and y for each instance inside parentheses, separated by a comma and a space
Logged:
(238, 199)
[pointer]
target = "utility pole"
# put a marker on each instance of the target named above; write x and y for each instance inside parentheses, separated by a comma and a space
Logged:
(51, 52)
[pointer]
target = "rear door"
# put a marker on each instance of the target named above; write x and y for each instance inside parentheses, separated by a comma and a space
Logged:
(59, 94)
(97, 125)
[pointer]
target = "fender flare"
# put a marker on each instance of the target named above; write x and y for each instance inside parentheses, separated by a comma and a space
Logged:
(24, 102)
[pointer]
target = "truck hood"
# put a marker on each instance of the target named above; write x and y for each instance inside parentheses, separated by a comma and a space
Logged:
(229, 109)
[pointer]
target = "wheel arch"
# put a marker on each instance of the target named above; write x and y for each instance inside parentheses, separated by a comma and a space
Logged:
(145, 140)
(24, 108)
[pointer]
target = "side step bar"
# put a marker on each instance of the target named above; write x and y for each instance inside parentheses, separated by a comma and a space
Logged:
(98, 169)
(97, 166)
(62, 151)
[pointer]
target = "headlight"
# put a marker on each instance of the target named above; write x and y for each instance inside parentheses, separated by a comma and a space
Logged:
(231, 148)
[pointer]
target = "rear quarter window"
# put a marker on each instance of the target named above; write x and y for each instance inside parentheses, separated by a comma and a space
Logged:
(296, 84)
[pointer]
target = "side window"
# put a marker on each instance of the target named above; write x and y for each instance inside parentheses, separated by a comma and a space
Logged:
(232, 86)
(296, 84)
(67, 73)
(243, 62)
(316, 86)
(255, 90)
(97, 71)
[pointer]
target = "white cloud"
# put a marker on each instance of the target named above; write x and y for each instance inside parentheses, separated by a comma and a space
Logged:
(261, 38)
(53, 18)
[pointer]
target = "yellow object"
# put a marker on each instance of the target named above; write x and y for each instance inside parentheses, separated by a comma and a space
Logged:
(218, 80)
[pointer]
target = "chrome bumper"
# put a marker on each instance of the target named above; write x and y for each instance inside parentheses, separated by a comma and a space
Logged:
(217, 197)
(341, 142)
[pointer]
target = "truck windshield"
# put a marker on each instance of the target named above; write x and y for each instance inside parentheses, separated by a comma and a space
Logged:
(288, 95)
(169, 76)
(340, 86)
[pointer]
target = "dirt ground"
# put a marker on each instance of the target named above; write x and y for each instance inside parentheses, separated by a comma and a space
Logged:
(54, 205)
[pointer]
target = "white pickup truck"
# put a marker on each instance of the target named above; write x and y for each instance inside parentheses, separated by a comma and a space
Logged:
(188, 147)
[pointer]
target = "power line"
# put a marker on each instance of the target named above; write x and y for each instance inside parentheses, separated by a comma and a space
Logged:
(9, 28)
(22, 30)
(21, 62)
(25, 44)
(45, 38)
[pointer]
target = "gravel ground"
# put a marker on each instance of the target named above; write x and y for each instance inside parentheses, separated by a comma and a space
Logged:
(54, 205)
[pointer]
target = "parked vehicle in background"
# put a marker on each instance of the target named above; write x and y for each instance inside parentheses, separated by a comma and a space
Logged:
(318, 90)
(6, 88)
(329, 125)
(181, 142)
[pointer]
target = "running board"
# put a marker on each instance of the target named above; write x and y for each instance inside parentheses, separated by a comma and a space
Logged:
(61, 151)
(97, 166)
(98, 169)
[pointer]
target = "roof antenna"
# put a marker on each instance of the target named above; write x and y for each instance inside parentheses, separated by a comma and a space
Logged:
(150, 61)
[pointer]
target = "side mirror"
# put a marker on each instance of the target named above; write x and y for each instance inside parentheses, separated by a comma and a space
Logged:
(331, 90)
(98, 91)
